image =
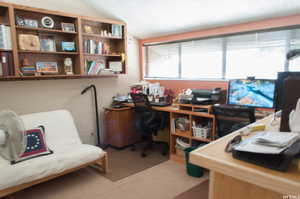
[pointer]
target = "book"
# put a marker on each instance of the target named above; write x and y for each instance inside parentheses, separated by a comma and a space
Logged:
(93, 47)
(93, 67)
(5, 38)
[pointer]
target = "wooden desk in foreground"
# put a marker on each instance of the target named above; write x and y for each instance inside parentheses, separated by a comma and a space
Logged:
(235, 179)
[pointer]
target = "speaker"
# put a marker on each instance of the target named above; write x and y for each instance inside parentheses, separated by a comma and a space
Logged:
(291, 94)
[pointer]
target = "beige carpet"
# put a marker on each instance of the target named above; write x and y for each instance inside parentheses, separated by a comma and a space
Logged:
(164, 181)
(198, 192)
(123, 163)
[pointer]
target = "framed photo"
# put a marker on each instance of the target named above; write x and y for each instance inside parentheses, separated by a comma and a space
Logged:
(68, 46)
(48, 44)
(116, 30)
(46, 67)
(20, 21)
(69, 27)
(116, 66)
(88, 29)
(31, 23)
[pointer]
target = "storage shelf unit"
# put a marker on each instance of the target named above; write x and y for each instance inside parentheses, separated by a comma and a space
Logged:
(117, 45)
(188, 111)
(45, 30)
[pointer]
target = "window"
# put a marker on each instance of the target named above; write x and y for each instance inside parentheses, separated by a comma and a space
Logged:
(260, 54)
(201, 59)
(294, 64)
(163, 61)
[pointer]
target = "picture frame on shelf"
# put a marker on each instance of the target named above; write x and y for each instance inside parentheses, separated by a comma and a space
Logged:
(68, 46)
(47, 67)
(115, 66)
(68, 27)
(88, 29)
(31, 23)
(47, 44)
(116, 30)
(20, 21)
(29, 42)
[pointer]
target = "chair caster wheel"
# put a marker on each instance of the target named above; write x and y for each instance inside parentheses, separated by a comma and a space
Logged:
(133, 148)
(164, 153)
(144, 155)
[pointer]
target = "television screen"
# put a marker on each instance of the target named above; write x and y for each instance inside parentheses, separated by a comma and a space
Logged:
(254, 93)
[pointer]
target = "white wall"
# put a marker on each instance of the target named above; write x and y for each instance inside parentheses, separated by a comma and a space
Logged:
(44, 95)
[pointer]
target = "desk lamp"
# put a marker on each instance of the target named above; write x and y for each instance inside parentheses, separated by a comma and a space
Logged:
(92, 86)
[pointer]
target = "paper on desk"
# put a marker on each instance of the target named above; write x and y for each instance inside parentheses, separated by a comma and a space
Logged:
(276, 138)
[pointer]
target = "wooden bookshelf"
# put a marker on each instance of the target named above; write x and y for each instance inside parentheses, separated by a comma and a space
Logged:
(102, 55)
(188, 111)
(46, 52)
(117, 45)
(100, 36)
(44, 30)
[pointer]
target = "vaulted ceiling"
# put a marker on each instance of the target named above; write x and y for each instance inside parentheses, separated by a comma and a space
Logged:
(149, 18)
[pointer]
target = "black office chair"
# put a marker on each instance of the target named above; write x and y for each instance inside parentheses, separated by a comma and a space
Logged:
(231, 118)
(148, 122)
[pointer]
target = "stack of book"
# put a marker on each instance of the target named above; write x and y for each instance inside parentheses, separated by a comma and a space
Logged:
(93, 47)
(5, 38)
(6, 64)
(28, 70)
(93, 67)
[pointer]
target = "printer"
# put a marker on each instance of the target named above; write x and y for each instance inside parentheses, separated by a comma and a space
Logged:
(205, 97)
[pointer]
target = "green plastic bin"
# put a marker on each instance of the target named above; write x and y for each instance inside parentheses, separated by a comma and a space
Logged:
(192, 170)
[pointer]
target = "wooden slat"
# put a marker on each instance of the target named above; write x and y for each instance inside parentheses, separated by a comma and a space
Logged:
(99, 36)
(102, 162)
(48, 77)
(14, 40)
(44, 52)
(45, 30)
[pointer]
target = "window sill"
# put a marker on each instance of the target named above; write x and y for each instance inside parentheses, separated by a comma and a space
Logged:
(186, 79)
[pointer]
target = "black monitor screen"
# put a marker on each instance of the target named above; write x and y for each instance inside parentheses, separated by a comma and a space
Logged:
(254, 93)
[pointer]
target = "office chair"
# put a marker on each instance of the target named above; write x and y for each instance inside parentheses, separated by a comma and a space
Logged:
(148, 122)
(230, 118)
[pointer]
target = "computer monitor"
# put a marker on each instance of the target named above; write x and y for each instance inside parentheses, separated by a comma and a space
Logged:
(280, 87)
(258, 93)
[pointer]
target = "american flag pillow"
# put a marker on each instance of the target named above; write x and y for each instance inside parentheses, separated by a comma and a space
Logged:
(36, 145)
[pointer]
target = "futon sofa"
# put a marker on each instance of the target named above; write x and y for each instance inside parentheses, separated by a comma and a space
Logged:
(69, 154)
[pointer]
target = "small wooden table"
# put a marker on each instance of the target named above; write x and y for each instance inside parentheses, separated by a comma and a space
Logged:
(234, 179)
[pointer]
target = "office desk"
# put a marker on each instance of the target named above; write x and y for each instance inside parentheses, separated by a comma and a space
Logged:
(188, 111)
(235, 179)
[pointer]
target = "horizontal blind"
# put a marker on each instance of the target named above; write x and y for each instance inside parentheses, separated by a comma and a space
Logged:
(202, 59)
(163, 60)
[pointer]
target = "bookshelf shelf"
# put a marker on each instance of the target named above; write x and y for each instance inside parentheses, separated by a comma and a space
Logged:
(5, 50)
(43, 52)
(192, 117)
(113, 48)
(44, 30)
(49, 77)
(100, 36)
(102, 55)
